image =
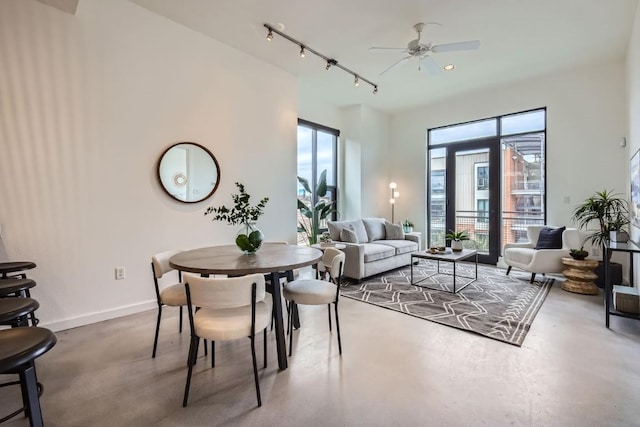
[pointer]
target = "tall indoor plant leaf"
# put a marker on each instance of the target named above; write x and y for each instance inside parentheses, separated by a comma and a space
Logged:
(312, 216)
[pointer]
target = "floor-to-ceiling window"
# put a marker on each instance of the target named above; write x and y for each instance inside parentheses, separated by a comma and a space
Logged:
(317, 152)
(487, 177)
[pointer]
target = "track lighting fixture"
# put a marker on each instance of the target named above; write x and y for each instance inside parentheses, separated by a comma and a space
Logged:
(330, 62)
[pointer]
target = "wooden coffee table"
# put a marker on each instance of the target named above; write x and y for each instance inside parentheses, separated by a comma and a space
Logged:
(449, 256)
(580, 276)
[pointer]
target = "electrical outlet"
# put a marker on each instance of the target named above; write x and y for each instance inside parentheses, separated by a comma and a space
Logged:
(120, 273)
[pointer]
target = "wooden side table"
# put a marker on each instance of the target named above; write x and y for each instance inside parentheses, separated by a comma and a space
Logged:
(580, 276)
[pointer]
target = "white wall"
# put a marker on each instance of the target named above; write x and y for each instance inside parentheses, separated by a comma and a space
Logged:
(586, 118)
(89, 103)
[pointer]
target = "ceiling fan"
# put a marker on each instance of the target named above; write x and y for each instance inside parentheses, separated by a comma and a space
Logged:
(415, 49)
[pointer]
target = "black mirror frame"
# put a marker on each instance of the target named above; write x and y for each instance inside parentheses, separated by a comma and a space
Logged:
(206, 150)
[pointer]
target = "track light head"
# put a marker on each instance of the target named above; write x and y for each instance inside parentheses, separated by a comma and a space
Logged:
(356, 81)
(302, 53)
(375, 90)
(330, 63)
(270, 35)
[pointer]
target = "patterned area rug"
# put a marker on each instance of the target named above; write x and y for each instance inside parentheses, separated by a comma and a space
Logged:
(495, 306)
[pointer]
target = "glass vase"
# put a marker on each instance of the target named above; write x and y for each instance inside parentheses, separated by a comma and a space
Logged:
(249, 238)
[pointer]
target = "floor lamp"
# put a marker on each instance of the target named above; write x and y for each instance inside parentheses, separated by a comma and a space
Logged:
(392, 200)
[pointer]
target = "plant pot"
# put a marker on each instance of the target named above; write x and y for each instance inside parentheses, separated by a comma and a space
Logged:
(456, 245)
(619, 236)
(579, 257)
(249, 239)
(407, 229)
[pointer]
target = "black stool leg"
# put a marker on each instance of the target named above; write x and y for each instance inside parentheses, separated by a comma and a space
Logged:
(29, 385)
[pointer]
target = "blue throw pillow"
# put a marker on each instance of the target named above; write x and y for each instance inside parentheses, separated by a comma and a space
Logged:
(550, 238)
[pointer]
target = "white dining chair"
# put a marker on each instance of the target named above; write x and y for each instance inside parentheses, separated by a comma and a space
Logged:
(170, 295)
(228, 309)
(317, 292)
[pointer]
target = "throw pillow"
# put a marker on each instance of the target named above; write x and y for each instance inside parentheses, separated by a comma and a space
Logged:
(394, 231)
(550, 238)
(348, 234)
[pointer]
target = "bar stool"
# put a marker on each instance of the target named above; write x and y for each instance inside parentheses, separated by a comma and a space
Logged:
(19, 347)
(15, 266)
(18, 287)
(13, 311)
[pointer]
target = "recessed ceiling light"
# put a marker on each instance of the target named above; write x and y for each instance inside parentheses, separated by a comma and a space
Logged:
(448, 67)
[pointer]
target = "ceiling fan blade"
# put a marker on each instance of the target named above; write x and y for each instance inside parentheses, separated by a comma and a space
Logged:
(450, 47)
(432, 66)
(402, 60)
(387, 48)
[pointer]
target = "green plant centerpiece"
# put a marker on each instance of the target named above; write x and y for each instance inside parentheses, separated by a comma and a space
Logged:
(249, 238)
(311, 216)
(456, 238)
(407, 225)
(608, 209)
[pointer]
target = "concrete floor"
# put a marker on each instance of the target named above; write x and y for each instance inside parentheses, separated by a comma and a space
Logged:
(395, 370)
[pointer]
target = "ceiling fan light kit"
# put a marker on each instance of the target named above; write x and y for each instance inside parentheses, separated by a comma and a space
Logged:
(331, 63)
(421, 51)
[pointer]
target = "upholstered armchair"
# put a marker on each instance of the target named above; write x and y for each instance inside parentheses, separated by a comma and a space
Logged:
(525, 256)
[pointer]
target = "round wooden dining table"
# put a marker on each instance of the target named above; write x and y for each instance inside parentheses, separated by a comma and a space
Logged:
(271, 259)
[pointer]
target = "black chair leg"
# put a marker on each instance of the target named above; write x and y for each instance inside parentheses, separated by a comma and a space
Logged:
(213, 353)
(265, 347)
(533, 277)
(338, 329)
(329, 313)
(508, 270)
(193, 351)
(255, 369)
(155, 341)
(290, 326)
(180, 329)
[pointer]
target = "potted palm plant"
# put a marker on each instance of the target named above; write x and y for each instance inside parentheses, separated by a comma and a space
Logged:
(611, 213)
(456, 238)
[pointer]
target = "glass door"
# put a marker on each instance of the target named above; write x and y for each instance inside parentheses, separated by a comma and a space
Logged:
(464, 195)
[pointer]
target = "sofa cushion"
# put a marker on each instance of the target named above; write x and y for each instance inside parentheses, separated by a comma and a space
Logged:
(550, 238)
(348, 234)
(400, 246)
(336, 226)
(393, 231)
(374, 252)
(375, 228)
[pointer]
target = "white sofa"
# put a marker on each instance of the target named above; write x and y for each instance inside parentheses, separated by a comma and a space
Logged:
(374, 253)
(525, 257)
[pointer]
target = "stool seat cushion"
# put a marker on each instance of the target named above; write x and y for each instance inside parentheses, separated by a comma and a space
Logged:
(12, 308)
(11, 286)
(310, 292)
(21, 345)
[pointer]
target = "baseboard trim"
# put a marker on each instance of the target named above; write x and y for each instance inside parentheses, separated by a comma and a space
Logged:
(87, 319)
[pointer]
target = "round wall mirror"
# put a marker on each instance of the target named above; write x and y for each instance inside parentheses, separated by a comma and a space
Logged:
(188, 172)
